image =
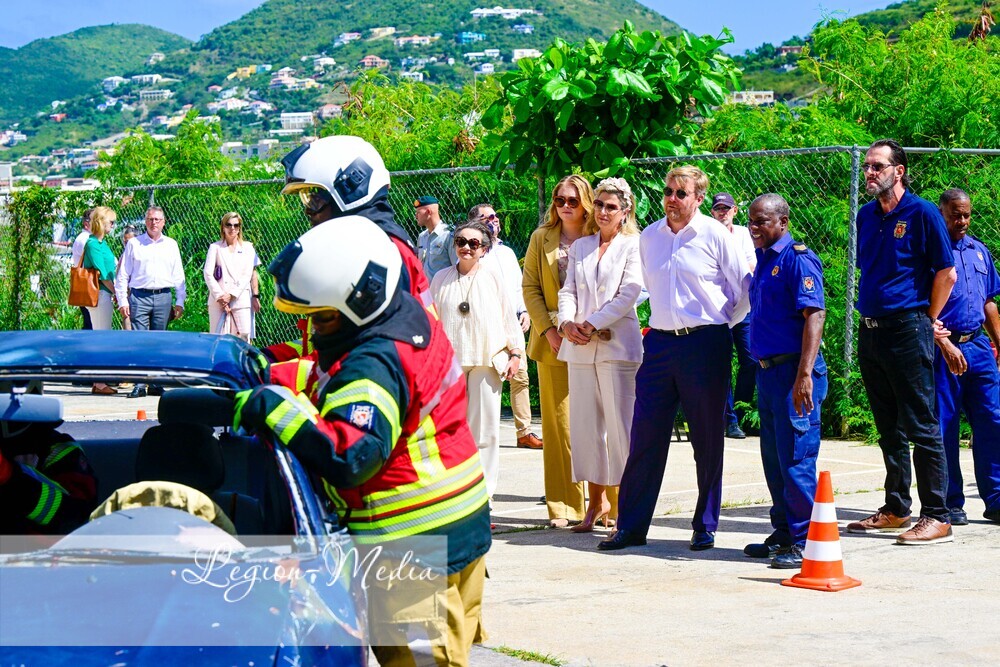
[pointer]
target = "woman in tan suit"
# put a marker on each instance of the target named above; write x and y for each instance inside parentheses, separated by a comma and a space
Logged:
(545, 265)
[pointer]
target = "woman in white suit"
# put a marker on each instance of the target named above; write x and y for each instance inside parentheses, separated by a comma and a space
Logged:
(597, 316)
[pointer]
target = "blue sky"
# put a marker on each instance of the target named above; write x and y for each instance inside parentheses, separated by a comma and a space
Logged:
(752, 22)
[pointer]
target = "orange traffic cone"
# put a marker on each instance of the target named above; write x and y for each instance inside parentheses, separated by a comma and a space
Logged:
(822, 562)
(140, 415)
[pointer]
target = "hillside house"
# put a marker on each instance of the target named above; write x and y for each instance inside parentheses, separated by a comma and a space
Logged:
(485, 68)
(517, 54)
(214, 88)
(279, 81)
(414, 40)
(57, 117)
(321, 63)
(236, 150)
(473, 56)
(259, 107)
(244, 72)
(155, 95)
(412, 76)
(296, 120)
(492, 53)
(328, 111)
(112, 82)
(228, 92)
(285, 71)
(523, 28)
(146, 79)
(466, 37)
(509, 14)
(753, 97)
(371, 62)
(789, 50)
(378, 33)
(228, 104)
(154, 58)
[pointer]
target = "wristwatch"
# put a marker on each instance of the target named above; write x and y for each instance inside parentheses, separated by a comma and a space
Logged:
(516, 355)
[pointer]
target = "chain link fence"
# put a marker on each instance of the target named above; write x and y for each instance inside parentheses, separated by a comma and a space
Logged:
(823, 186)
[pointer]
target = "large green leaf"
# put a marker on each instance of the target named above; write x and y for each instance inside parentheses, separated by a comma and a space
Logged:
(565, 115)
(556, 89)
(618, 82)
(620, 109)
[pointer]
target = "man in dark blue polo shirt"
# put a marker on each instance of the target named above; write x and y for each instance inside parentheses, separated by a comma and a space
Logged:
(907, 272)
(965, 369)
(787, 313)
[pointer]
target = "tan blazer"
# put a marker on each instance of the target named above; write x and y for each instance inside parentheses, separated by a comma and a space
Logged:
(603, 294)
(541, 290)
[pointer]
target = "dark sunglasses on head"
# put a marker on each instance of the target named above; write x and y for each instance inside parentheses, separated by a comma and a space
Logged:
(232, 225)
(668, 192)
(461, 242)
(610, 208)
(572, 202)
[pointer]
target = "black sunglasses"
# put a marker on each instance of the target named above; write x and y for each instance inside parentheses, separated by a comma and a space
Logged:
(668, 192)
(461, 242)
(232, 225)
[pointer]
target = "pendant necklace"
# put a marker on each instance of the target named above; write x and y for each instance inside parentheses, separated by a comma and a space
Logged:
(464, 307)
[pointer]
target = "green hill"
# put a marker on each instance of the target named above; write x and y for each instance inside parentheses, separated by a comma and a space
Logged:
(69, 65)
(761, 66)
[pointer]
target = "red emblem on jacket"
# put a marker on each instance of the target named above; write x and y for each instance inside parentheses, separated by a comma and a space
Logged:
(900, 229)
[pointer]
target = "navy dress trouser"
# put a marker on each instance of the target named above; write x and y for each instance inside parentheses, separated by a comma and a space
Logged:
(692, 372)
(789, 445)
(745, 376)
(977, 393)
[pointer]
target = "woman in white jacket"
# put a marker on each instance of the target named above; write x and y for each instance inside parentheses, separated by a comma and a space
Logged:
(231, 276)
(597, 317)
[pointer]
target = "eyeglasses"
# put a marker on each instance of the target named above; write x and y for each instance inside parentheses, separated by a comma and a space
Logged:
(491, 217)
(232, 225)
(877, 167)
(474, 245)
(669, 192)
(720, 208)
(572, 202)
(610, 208)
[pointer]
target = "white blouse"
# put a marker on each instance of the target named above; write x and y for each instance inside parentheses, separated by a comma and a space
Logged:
(489, 327)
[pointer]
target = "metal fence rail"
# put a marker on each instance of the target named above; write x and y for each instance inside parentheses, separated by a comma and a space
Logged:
(822, 186)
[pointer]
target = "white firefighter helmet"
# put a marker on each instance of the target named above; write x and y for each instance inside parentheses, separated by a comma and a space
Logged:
(348, 168)
(350, 266)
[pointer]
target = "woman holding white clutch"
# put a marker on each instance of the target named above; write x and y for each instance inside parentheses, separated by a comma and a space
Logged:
(231, 276)
(489, 344)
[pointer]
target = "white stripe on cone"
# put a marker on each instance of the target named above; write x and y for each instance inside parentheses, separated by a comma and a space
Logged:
(822, 551)
(824, 513)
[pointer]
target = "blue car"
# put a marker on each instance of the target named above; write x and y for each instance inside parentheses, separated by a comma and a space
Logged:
(210, 545)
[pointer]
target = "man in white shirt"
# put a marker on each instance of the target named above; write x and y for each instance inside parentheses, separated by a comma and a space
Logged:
(78, 247)
(698, 284)
(502, 260)
(150, 268)
(435, 245)
(724, 209)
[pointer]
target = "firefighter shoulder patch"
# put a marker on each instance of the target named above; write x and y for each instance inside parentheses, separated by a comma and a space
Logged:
(361, 415)
(900, 230)
(808, 284)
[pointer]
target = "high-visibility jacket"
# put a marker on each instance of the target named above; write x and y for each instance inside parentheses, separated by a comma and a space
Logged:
(47, 485)
(379, 413)
(413, 278)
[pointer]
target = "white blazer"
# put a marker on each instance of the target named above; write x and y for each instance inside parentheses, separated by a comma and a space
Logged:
(603, 294)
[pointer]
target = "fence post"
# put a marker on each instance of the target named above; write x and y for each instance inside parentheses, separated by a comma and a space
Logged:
(852, 261)
(152, 198)
(542, 204)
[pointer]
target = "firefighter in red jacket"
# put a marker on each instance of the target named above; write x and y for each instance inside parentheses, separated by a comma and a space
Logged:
(46, 483)
(345, 176)
(377, 410)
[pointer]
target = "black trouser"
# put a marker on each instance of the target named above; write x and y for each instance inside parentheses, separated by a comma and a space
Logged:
(897, 366)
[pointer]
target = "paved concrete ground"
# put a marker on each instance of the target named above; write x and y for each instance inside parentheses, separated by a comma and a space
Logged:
(552, 593)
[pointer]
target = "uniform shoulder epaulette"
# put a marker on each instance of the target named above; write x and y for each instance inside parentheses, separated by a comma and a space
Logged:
(800, 248)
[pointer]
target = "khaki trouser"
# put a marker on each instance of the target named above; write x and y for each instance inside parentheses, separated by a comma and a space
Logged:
(563, 496)
(520, 402)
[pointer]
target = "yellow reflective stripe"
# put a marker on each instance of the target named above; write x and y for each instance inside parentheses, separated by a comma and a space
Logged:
(286, 419)
(423, 449)
(295, 346)
(422, 520)
(414, 493)
(48, 503)
(302, 378)
(335, 497)
(58, 453)
(366, 391)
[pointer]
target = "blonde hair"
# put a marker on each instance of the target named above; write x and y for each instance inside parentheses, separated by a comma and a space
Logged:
(222, 226)
(621, 189)
(103, 216)
(584, 192)
(689, 173)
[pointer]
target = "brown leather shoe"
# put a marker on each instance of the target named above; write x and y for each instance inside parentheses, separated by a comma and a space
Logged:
(103, 390)
(880, 522)
(529, 441)
(927, 531)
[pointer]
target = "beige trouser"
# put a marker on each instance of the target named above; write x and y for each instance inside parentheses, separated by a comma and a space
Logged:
(483, 387)
(520, 402)
(563, 496)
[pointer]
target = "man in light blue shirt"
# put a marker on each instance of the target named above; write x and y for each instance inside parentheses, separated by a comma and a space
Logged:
(435, 245)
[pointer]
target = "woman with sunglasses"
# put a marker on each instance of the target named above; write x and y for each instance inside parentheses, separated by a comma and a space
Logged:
(602, 345)
(233, 290)
(480, 322)
(97, 255)
(545, 266)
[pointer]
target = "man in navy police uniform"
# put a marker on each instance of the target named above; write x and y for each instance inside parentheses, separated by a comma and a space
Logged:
(787, 314)
(907, 272)
(965, 369)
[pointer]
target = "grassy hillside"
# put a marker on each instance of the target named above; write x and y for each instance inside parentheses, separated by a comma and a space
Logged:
(70, 65)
